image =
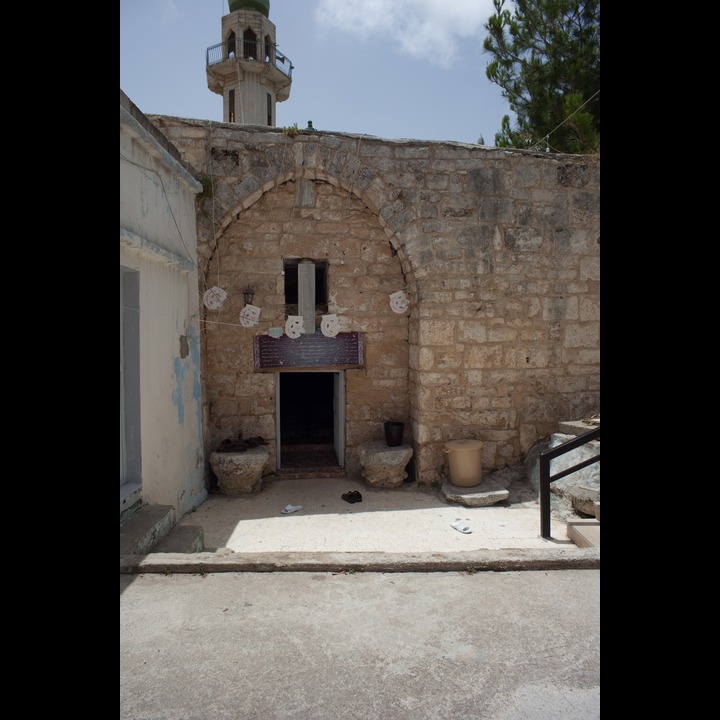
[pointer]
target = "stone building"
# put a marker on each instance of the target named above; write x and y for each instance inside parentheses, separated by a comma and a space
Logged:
(346, 280)
(497, 252)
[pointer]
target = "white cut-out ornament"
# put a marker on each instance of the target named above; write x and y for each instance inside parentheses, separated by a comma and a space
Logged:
(294, 326)
(399, 302)
(330, 325)
(249, 315)
(214, 298)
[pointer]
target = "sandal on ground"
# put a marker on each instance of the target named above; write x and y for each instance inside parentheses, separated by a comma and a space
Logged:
(352, 497)
(291, 509)
(461, 526)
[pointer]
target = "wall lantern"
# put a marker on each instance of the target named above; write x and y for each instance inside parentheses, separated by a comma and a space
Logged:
(248, 293)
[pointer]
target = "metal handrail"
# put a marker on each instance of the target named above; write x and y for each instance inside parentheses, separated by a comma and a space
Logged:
(546, 478)
(222, 51)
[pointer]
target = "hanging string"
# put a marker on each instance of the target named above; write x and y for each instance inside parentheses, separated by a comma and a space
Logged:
(212, 202)
(352, 183)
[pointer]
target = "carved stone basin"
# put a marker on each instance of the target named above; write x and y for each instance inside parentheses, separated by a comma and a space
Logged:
(239, 473)
(384, 466)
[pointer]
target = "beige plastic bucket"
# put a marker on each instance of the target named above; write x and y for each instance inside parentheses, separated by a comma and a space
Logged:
(465, 459)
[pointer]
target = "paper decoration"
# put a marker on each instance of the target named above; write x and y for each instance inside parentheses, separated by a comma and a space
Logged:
(214, 298)
(275, 332)
(294, 326)
(249, 315)
(399, 302)
(330, 325)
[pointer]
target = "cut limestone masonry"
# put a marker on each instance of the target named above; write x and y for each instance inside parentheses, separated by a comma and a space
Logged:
(497, 250)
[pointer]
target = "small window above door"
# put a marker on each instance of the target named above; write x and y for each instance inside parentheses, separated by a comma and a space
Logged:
(292, 299)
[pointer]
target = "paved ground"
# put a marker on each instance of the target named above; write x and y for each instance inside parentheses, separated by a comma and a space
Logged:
(401, 529)
(378, 610)
(405, 519)
(361, 646)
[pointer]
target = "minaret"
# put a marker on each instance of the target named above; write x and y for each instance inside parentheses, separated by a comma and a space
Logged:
(246, 68)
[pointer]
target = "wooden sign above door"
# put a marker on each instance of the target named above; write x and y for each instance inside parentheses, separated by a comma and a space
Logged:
(345, 350)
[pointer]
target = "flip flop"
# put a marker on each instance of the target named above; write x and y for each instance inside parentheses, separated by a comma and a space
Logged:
(291, 509)
(461, 526)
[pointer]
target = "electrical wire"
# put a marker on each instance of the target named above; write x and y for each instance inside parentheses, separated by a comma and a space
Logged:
(545, 139)
(167, 200)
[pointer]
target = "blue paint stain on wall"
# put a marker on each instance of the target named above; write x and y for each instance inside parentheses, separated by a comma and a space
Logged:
(194, 342)
(192, 491)
(180, 370)
(181, 367)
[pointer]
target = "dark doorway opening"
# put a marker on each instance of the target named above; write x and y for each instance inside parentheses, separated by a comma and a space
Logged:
(307, 417)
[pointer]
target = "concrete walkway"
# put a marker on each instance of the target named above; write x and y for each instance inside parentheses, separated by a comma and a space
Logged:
(403, 529)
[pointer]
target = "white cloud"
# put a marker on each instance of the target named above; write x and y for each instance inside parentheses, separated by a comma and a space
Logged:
(169, 10)
(423, 29)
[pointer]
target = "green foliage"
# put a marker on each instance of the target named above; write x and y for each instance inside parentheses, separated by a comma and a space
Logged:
(207, 187)
(546, 60)
(208, 191)
(292, 130)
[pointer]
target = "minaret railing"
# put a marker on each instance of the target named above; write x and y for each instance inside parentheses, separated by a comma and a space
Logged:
(226, 51)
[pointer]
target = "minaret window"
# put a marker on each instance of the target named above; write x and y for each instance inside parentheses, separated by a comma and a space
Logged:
(250, 50)
(231, 106)
(268, 50)
(269, 109)
(231, 45)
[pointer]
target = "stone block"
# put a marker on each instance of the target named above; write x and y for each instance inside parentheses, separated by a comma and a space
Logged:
(489, 492)
(239, 473)
(384, 466)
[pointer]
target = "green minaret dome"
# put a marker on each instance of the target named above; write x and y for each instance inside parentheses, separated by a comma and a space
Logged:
(261, 6)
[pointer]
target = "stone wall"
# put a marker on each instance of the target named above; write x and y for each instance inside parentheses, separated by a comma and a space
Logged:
(498, 251)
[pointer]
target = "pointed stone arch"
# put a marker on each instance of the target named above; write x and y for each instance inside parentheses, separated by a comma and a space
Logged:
(307, 213)
(385, 203)
(250, 44)
(231, 44)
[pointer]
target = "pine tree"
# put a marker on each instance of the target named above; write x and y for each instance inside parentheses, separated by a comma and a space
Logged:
(546, 59)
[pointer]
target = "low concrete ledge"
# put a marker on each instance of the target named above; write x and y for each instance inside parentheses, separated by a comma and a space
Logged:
(183, 539)
(225, 560)
(584, 533)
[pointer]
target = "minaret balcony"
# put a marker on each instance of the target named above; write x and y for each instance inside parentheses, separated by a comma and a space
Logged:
(223, 59)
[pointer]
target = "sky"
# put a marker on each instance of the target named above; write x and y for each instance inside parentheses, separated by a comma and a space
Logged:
(394, 69)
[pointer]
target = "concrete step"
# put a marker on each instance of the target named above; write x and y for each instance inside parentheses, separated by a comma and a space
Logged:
(182, 539)
(145, 528)
(308, 473)
(584, 533)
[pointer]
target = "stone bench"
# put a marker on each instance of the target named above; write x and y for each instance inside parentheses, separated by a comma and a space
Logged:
(239, 473)
(384, 466)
